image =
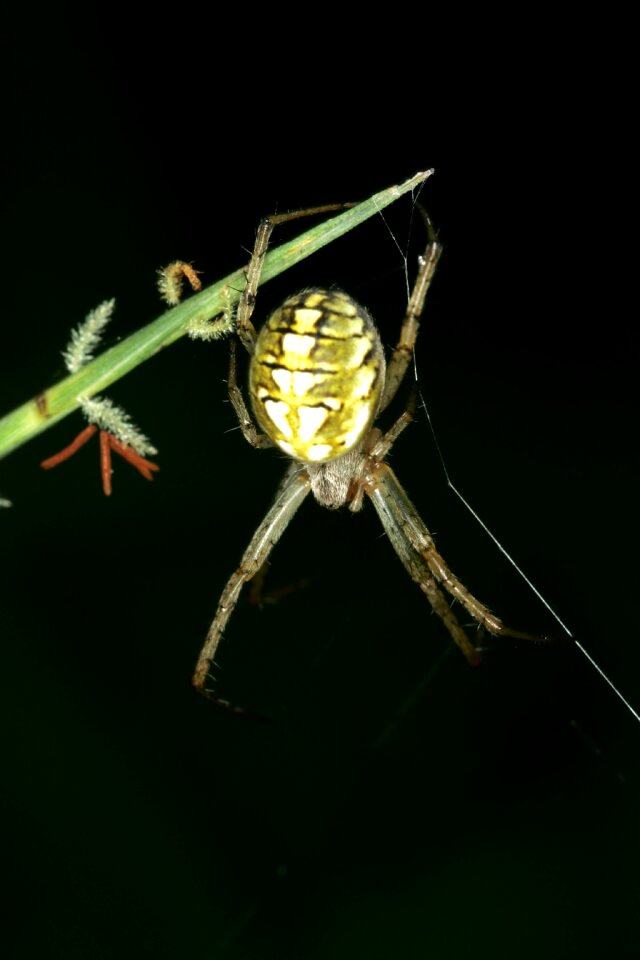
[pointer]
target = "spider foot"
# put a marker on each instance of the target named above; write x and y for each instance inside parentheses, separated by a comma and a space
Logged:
(230, 707)
(522, 635)
(259, 597)
(473, 655)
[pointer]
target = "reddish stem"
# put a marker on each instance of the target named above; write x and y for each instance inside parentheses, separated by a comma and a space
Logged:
(145, 467)
(105, 462)
(107, 443)
(73, 447)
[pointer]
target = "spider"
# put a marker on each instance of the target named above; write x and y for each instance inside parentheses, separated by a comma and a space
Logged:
(318, 379)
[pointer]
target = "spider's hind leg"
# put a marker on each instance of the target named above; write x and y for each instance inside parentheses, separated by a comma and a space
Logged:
(403, 350)
(249, 430)
(245, 328)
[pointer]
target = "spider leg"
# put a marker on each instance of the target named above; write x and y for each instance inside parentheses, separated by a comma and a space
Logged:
(402, 352)
(377, 446)
(249, 430)
(289, 497)
(392, 513)
(416, 548)
(245, 328)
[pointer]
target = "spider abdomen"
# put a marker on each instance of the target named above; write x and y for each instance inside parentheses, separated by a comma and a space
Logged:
(317, 374)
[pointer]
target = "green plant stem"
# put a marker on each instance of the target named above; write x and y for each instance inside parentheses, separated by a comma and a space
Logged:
(62, 399)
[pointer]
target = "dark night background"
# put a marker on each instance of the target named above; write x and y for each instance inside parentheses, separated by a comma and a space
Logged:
(399, 803)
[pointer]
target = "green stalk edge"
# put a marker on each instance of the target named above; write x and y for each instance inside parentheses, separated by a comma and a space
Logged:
(61, 399)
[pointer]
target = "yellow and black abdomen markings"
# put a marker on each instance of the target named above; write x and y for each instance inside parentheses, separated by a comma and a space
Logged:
(317, 374)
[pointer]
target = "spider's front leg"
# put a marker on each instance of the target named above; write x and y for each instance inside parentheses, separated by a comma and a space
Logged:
(294, 489)
(416, 548)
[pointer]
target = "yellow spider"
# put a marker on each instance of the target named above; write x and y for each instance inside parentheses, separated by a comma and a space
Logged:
(318, 379)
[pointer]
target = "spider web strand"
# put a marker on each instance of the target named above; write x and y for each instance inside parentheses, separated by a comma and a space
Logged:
(486, 529)
(610, 683)
(526, 579)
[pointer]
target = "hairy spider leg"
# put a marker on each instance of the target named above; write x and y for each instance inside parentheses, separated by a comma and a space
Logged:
(291, 494)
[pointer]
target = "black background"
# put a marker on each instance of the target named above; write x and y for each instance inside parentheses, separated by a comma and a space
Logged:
(398, 803)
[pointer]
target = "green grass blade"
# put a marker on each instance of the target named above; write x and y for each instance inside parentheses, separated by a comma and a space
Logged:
(61, 399)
